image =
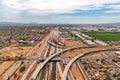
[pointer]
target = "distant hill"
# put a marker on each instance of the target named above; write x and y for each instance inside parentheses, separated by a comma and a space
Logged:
(39, 24)
(11, 23)
(17, 24)
(112, 24)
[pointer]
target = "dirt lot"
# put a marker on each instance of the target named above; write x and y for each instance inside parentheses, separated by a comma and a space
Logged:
(14, 51)
(6, 67)
(70, 42)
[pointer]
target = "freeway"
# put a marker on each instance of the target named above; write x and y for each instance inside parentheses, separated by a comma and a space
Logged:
(64, 75)
(42, 77)
(53, 72)
(47, 54)
(44, 70)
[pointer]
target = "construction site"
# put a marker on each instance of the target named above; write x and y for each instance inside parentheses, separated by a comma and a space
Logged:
(61, 55)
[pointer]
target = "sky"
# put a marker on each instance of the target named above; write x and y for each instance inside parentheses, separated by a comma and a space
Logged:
(60, 11)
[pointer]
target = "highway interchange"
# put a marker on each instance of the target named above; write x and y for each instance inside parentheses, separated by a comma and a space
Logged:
(51, 61)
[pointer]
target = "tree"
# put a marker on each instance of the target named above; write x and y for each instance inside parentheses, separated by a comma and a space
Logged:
(22, 69)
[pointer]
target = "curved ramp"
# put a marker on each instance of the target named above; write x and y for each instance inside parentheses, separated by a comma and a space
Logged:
(64, 75)
(56, 45)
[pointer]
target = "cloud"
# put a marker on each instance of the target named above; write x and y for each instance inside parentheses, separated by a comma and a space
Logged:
(108, 17)
(56, 6)
(117, 6)
(113, 9)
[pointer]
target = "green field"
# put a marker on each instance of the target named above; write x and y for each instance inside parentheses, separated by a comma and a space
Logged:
(25, 45)
(105, 36)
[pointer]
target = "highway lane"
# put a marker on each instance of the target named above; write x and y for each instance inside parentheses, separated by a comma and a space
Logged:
(44, 70)
(64, 75)
(53, 72)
